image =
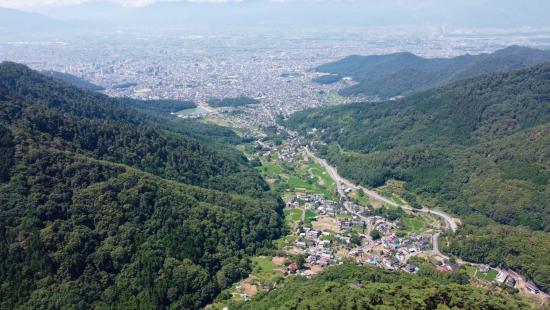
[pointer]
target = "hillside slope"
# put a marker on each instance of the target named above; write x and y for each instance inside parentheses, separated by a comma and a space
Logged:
(352, 287)
(405, 73)
(479, 148)
(100, 205)
(73, 80)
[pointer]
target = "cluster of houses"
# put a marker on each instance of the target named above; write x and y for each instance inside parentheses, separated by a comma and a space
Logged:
(290, 152)
(349, 223)
(390, 252)
(287, 152)
(318, 251)
(315, 202)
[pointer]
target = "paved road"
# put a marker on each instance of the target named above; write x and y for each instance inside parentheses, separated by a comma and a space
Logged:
(435, 238)
(373, 194)
(435, 246)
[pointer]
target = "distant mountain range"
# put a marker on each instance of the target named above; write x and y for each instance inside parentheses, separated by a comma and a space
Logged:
(405, 73)
(16, 21)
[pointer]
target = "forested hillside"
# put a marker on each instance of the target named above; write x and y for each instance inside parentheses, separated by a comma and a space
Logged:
(73, 80)
(101, 206)
(351, 287)
(479, 148)
(404, 73)
(158, 106)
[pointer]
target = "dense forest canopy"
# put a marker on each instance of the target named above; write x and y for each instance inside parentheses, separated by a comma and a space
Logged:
(479, 147)
(161, 106)
(104, 206)
(351, 287)
(404, 73)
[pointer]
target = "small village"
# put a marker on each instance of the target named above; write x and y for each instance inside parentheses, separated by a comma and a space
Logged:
(331, 223)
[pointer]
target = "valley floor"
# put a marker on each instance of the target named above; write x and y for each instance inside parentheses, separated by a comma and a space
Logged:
(333, 220)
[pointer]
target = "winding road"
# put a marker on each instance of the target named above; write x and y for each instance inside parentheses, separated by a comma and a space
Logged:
(450, 223)
(373, 194)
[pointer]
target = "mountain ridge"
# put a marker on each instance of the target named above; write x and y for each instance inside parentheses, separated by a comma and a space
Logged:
(405, 73)
(102, 205)
(477, 147)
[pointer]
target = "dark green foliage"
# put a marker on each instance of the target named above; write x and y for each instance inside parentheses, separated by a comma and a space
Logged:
(391, 214)
(232, 102)
(200, 130)
(6, 153)
(163, 106)
(103, 206)
(125, 85)
(73, 80)
(405, 73)
(523, 171)
(375, 234)
(477, 147)
(452, 144)
(352, 287)
(328, 79)
(97, 126)
(499, 245)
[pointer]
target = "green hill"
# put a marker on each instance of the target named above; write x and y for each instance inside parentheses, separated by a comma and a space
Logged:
(73, 80)
(478, 148)
(404, 73)
(102, 206)
(352, 287)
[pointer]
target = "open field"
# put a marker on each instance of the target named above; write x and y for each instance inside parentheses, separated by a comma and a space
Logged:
(293, 215)
(303, 176)
(412, 223)
(310, 216)
(326, 223)
(265, 269)
(474, 272)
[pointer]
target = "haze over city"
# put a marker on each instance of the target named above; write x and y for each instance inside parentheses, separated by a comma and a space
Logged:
(274, 154)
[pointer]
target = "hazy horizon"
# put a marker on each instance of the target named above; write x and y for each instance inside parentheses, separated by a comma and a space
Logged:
(292, 13)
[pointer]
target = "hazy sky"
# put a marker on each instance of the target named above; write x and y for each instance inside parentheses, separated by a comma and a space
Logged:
(35, 3)
(468, 13)
(42, 3)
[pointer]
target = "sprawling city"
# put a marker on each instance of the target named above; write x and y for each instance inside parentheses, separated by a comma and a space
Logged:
(178, 168)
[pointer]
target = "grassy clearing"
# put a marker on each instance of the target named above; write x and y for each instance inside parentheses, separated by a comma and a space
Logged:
(293, 215)
(412, 224)
(489, 276)
(472, 271)
(363, 200)
(265, 269)
(296, 182)
(310, 214)
(309, 217)
(303, 176)
(286, 241)
(271, 170)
